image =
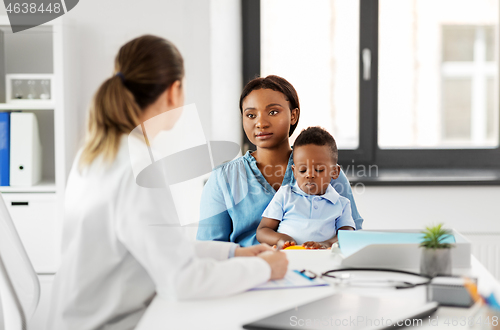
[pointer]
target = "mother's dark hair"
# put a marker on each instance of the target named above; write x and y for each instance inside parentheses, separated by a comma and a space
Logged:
(277, 84)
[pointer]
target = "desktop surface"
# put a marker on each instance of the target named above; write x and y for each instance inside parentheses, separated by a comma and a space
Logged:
(348, 311)
(237, 310)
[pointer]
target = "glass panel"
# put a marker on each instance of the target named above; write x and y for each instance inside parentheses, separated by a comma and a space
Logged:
(315, 46)
(490, 43)
(458, 43)
(456, 108)
(428, 56)
(492, 115)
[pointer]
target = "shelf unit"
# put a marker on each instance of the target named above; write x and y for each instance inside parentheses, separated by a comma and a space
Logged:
(35, 106)
(37, 211)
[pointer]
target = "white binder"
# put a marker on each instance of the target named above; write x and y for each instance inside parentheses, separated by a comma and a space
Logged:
(25, 150)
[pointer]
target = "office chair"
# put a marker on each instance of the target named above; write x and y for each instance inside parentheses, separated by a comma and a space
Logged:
(19, 285)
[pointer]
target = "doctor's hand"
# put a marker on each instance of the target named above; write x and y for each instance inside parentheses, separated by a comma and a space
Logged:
(278, 263)
(252, 251)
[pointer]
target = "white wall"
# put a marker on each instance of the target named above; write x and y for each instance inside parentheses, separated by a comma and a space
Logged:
(226, 65)
(472, 210)
(101, 27)
(469, 209)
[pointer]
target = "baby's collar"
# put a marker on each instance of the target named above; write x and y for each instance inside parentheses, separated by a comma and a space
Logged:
(331, 194)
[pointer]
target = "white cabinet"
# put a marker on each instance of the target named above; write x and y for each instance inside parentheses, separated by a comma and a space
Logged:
(49, 49)
(34, 216)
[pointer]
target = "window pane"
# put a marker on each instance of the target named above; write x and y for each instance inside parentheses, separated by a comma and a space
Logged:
(315, 46)
(456, 108)
(458, 43)
(492, 115)
(438, 74)
(490, 43)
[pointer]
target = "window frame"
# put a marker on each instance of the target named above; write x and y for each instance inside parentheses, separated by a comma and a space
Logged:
(368, 151)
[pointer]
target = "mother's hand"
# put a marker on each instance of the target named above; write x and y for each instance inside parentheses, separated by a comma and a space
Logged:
(252, 251)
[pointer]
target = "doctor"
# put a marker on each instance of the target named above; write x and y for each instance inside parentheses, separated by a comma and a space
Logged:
(115, 255)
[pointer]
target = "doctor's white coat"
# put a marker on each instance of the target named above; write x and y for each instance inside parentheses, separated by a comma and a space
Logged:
(122, 244)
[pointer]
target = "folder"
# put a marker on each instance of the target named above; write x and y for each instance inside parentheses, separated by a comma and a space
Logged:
(4, 148)
(25, 150)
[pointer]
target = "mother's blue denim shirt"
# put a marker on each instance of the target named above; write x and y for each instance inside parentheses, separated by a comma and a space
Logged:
(236, 195)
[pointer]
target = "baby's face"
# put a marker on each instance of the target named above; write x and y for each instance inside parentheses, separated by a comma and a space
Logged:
(314, 168)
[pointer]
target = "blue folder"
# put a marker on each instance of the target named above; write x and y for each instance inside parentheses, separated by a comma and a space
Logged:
(4, 148)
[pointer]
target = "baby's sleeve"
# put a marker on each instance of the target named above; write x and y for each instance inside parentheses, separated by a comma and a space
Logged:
(275, 209)
(345, 219)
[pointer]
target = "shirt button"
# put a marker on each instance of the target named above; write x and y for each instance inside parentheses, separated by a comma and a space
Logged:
(316, 207)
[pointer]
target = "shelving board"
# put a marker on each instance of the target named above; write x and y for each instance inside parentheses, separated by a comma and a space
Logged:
(4, 20)
(34, 106)
(44, 186)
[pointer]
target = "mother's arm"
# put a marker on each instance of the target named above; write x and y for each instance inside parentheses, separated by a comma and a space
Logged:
(215, 223)
(343, 187)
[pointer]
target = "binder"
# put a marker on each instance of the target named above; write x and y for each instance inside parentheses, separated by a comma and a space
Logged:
(25, 150)
(4, 148)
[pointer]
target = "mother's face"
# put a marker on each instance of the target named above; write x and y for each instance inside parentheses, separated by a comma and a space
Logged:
(267, 117)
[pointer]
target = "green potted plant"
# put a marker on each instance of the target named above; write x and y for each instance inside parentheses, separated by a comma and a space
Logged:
(436, 253)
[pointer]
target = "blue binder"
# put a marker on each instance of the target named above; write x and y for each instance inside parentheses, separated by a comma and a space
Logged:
(4, 148)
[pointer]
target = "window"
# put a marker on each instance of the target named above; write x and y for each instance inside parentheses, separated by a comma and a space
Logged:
(399, 83)
(311, 45)
(469, 73)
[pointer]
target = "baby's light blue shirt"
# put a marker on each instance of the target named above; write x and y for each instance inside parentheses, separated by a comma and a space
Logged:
(309, 217)
(236, 195)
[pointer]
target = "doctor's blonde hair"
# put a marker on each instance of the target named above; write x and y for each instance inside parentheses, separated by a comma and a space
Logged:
(144, 68)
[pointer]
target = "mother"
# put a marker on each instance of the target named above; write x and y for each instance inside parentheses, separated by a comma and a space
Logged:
(238, 192)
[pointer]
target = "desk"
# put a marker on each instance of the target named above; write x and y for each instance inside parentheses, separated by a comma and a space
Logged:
(234, 311)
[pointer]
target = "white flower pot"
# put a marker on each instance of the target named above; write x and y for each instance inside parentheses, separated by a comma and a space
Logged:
(435, 262)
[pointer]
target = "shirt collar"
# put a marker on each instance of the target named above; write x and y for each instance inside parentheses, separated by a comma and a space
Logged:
(331, 194)
(252, 162)
(251, 159)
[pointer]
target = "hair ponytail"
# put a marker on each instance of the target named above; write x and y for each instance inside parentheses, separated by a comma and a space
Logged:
(145, 67)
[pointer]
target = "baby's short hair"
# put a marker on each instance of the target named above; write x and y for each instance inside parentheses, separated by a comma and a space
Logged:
(317, 136)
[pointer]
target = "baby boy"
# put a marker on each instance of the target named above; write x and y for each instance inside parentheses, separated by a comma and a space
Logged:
(309, 211)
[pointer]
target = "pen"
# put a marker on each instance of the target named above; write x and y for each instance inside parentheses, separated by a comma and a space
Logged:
(471, 287)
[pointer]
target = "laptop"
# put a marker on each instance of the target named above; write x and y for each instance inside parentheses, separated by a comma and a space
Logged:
(348, 311)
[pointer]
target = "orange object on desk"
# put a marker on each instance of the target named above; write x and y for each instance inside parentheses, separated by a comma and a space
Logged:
(295, 247)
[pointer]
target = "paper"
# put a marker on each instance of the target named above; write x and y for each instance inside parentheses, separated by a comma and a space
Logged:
(293, 279)
(353, 241)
